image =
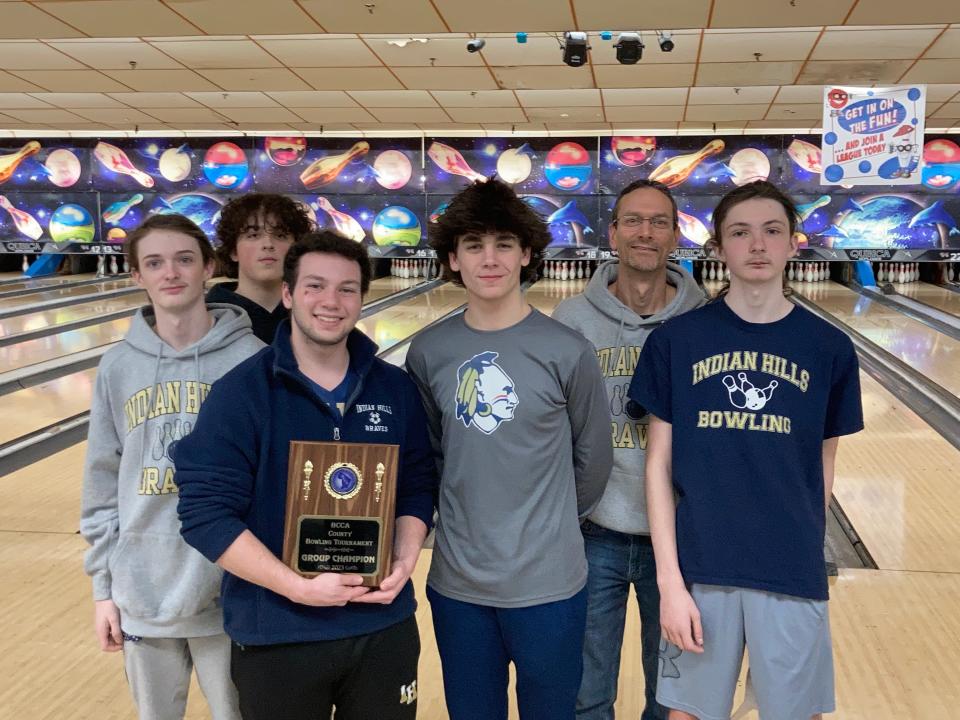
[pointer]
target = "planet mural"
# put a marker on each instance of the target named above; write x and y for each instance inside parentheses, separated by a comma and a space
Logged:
(567, 166)
(749, 165)
(202, 209)
(514, 165)
(941, 164)
(633, 150)
(72, 223)
(392, 169)
(175, 164)
(225, 165)
(396, 225)
(63, 168)
(285, 151)
(883, 221)
(116, 235)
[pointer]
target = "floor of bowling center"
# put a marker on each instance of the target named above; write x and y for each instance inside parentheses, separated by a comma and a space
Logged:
(893, 628)
(41, 406)
(46, 295)
(933, 295)
(43, 283)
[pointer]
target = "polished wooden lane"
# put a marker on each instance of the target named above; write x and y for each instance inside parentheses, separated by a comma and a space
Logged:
(45, 283)
(81, 293)
(70, 313)
(938, 297)
(928, 351)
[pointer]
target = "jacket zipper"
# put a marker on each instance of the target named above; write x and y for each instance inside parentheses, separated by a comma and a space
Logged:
(336, 432)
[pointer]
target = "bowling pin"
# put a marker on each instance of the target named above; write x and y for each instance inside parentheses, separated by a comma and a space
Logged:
(126, 264)
(23, 221)
(726, 272)
(950, 273)
(26, 264)
(10, 163)
(115, 159)
(101, 266)
(580, 271)
(589, 271)
(677, 169)
(113, 265)
(564, 271)
(449, 159)
(790, 271)
(325, 170)
(808, 275)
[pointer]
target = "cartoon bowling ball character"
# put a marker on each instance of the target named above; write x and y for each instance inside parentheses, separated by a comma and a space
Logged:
(837, 98)
(225, 165)
(568, 166)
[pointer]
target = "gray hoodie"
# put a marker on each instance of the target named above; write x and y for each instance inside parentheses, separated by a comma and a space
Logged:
(618, 334)
(147, 395)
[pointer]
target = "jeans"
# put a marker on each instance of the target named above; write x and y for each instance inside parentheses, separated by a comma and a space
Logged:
(478, 642)
(615, 561)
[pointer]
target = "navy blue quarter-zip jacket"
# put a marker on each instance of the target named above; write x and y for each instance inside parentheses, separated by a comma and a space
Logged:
(232, 476)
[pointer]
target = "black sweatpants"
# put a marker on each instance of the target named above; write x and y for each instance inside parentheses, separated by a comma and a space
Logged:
(369, 677)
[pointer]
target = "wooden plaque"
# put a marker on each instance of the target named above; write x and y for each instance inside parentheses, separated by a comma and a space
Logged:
(341, 500)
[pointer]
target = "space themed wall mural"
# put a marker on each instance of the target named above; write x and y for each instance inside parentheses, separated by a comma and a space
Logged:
(76, 196)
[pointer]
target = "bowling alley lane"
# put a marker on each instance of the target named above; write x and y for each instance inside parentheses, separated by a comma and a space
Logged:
(68, 314)
(32, 409)
(938, 297)
(393, 324)
(81, 293)
(381, 287)
(44, 283)
(928, 351)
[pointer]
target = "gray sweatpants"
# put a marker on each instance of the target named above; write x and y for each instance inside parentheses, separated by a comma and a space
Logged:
(158, 671)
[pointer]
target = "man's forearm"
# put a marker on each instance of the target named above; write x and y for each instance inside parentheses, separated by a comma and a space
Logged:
(249, 559)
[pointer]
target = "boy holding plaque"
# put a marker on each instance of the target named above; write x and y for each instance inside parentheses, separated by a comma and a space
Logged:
(156, 598)
(518, 410)
(255, 232)
(302, 645)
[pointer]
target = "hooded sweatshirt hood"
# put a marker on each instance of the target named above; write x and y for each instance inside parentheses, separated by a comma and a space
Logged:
(618, 335)
(147, 396)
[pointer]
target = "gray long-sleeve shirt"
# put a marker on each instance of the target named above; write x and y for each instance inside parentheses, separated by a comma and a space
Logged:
(522, 423)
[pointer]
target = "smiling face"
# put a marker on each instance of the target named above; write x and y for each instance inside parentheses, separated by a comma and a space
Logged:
(644, 232)
(489, 264)
(326, 299)
(170, 268)
(756, 241)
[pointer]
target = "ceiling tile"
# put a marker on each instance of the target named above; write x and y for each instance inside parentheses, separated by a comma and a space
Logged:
(446, 78)
(119, 18)
(229, 17)
(396, 16)
(653, 127)
(644, 113)
(78, 100)
(71, 80)
(267, 115)
(116, 55)
(540, 49)
(933, 71)
(732, 95)
(741, 45)
(941, 93)
(320, 51)
(147, 100)
(876, 43)
(949, 110)
(505, 15)
(316, 127)
(558, 98)
(718, 113)
(116, 116)
(638, 76)
(334, 115)
(53, 116)
(352, 78)
(21, 100)
(475, 98)
(948, 46)
(161, 80)
(11, 83)
(404, 115)
(800, 94)
(394, 98)
(518, 128)
(593, 15)
(644, 96)
(896, 12)
(748, 73)
(32, 55)
(313, 98)
(780, 111)
(21, 20)
(487, 115)
(565, 114)
(853, 72)
(233, 99)
(543, 78)
(205, 54)
(438, 51)
(186, 115)
(257, 79)
(805, 13)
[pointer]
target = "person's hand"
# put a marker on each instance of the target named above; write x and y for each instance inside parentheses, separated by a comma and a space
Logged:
(392, 584)
(329, 590)
(680, 620)
(106, 625)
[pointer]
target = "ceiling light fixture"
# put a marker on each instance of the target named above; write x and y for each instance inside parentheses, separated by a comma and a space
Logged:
(575, 48)
(629, 48)
(666, 41)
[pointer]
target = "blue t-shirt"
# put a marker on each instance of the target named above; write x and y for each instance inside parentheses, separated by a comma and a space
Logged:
(750, 405)
(336, 399)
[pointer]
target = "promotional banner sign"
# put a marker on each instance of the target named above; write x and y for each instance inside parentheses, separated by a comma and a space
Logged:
(873, 136)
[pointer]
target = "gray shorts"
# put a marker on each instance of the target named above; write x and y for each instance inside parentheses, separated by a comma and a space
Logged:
(791, 657)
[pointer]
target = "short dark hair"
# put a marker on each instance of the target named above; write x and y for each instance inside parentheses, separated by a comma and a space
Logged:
(488, 206)
(332, 243)
(289, 217)
(653, 185)
(166, 221)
